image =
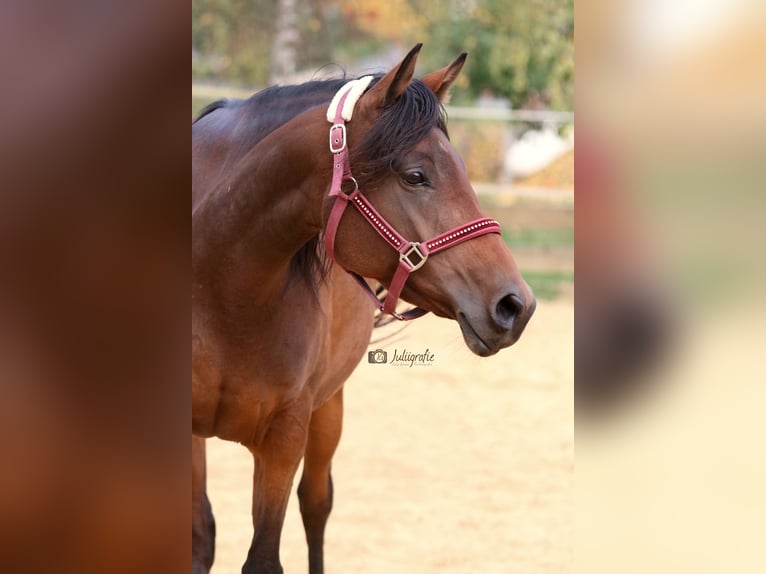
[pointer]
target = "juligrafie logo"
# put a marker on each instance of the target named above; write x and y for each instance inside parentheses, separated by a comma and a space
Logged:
(376, 357)
(403, 358)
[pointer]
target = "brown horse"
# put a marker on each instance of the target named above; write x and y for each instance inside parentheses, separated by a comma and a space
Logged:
(278, 324)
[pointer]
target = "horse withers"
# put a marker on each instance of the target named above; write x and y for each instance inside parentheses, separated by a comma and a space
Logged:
(302, 197)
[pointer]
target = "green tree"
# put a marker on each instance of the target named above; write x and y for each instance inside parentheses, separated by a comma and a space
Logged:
(523, 51)
(232, 40)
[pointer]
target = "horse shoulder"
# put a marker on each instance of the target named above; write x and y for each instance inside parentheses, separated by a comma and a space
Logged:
(348, 336)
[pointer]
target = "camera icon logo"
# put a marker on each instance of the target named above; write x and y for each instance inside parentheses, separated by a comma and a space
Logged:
(377, 357)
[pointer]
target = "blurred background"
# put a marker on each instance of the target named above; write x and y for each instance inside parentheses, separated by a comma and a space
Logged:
(670, 296)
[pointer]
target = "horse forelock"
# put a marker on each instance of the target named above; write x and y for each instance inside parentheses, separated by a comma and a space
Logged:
(398, 129)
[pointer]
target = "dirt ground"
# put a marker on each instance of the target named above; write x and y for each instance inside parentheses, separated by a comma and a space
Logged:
(464, 465)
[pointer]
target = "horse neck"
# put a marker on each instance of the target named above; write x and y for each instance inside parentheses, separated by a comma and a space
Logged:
(251, 225)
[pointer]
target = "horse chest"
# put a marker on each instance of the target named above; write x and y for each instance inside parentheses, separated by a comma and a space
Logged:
(241, 378)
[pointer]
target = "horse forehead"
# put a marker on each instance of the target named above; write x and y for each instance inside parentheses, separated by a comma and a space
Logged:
(438, 146)
(447, 154)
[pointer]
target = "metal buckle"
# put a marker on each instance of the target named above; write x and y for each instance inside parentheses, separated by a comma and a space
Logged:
(413, 249)
(342, 143)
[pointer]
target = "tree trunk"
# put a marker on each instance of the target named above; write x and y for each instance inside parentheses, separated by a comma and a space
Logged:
(284, 47)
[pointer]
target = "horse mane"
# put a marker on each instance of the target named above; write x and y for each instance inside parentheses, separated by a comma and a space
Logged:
(400, 127)
(211, 107)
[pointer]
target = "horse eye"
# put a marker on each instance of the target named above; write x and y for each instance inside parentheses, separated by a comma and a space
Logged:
(414, 178)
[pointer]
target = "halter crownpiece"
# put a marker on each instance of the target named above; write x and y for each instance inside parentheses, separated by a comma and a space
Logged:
(412, 254)
(353, 91)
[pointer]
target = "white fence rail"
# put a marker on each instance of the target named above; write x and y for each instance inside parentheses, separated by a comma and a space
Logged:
(506, 115)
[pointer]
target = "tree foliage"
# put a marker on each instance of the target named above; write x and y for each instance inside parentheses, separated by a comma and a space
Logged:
(520, 50)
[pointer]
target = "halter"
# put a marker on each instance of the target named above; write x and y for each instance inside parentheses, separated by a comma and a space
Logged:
(412, 254)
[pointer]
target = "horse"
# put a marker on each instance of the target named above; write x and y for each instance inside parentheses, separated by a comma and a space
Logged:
(289, 238)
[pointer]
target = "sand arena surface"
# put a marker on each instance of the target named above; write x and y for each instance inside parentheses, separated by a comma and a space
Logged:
(462, 466)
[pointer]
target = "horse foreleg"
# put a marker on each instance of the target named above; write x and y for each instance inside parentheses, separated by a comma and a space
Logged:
(203, 524)
(276, 461)
(315, 490)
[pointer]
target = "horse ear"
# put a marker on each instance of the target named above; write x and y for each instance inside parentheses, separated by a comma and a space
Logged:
(441, 81)
(388, 89)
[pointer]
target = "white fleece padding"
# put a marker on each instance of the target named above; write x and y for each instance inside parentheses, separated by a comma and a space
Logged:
(355, 89)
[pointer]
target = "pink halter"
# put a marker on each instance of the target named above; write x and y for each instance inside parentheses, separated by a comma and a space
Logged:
(412, 254)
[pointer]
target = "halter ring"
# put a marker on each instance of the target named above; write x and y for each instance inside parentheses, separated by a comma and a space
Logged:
(356, 186)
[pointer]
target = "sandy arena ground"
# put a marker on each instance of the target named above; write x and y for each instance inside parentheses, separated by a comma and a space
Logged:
(462, 466)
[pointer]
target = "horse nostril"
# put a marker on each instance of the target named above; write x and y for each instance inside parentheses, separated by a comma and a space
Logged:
(507, 309)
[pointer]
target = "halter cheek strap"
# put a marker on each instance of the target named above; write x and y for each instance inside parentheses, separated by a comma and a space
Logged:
(412, 254)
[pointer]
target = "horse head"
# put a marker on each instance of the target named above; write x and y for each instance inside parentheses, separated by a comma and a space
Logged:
(404, 164)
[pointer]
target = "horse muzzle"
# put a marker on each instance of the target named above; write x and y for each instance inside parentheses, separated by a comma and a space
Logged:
(487, 331)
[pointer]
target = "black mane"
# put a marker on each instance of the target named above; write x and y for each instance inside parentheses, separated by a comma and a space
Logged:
(211, 107)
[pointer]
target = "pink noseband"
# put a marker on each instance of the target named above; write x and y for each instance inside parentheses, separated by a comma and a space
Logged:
(412, 254)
